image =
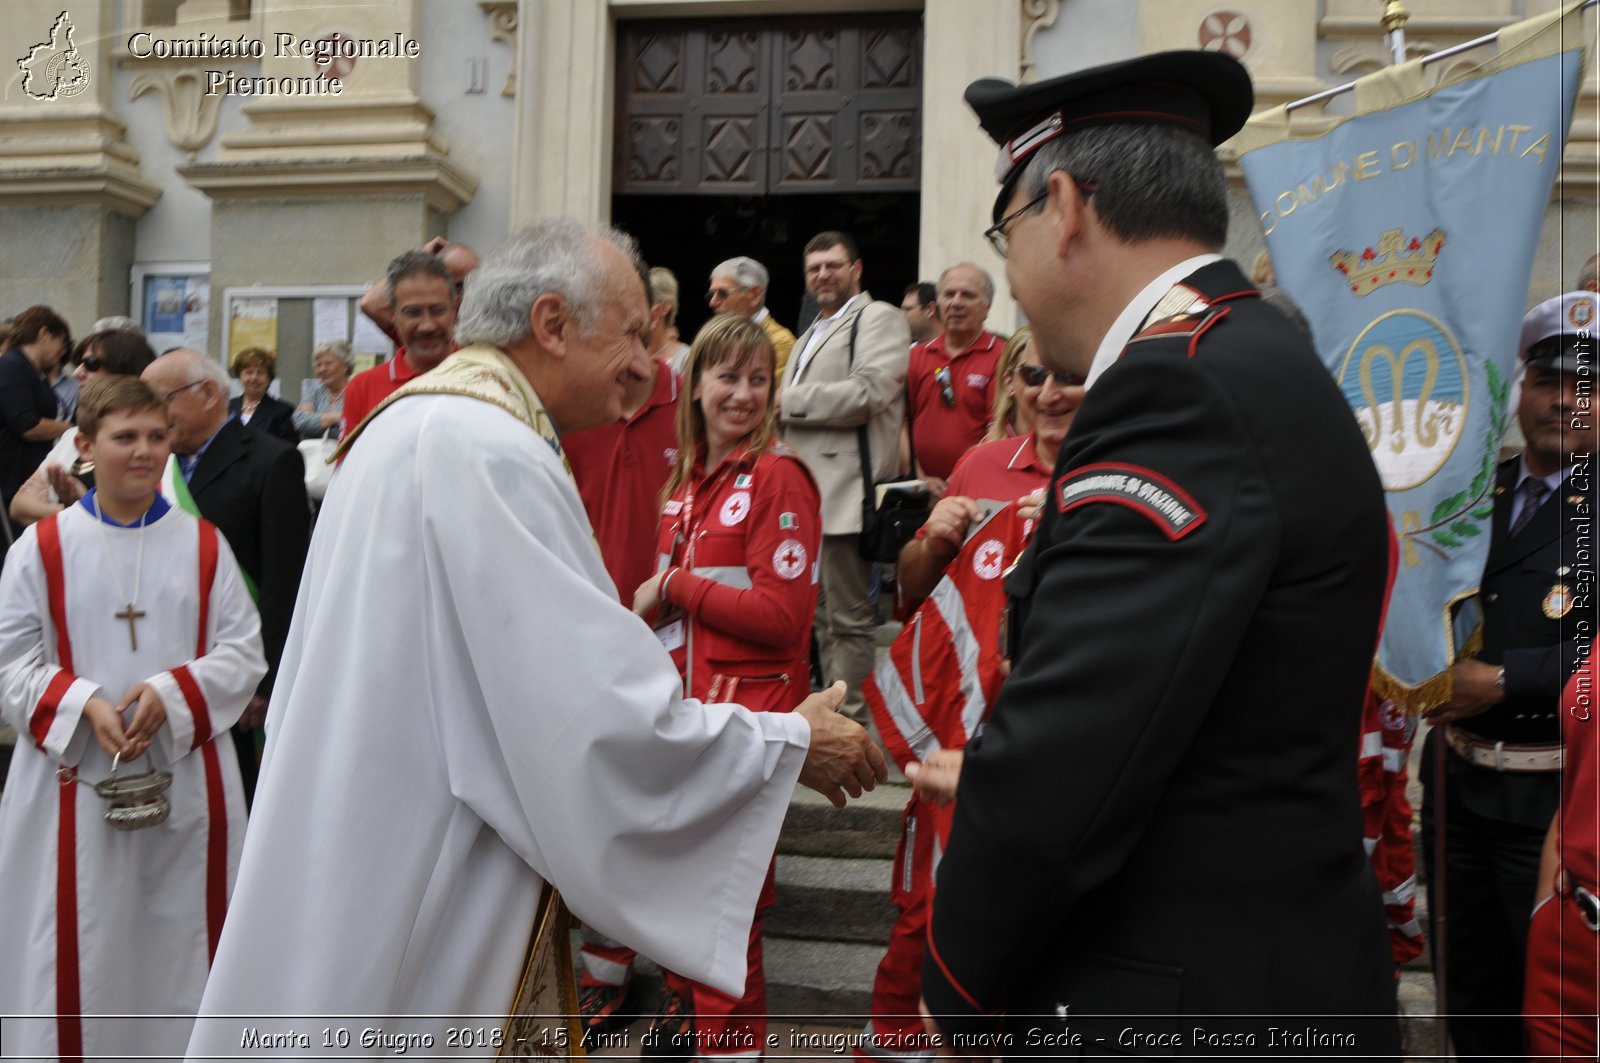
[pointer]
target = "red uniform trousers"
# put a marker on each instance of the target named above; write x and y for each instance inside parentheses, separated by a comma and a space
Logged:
(1561, 992)
(895, 1027)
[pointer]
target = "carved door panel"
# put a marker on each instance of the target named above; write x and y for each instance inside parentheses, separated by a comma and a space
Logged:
(757, 107)
(848, 111)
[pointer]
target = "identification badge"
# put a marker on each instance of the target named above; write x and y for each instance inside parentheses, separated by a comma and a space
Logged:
(671, 634)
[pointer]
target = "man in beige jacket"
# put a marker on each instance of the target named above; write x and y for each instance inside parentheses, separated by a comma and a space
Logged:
(847, 370)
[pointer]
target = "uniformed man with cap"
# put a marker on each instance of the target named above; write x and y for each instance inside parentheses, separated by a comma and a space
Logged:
(1502, 774)
(1158, 836)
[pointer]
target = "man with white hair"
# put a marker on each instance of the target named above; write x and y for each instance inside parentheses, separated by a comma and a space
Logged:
(468, 713)
(739, 286)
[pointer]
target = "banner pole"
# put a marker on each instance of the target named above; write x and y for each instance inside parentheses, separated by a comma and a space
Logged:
(1431, 57)
(1395, 17)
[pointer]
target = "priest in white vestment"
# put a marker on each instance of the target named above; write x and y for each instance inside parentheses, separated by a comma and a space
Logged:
(464, 712)
(108, 934)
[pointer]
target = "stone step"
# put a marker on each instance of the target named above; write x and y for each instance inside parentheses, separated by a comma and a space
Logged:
(1419, 1029)
(868, 826)
(813, 980)
(825, 898)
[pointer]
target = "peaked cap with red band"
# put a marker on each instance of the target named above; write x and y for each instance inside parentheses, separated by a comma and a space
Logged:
(1207, 92)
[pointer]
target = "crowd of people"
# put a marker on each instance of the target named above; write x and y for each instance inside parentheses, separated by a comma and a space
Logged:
(450, 701)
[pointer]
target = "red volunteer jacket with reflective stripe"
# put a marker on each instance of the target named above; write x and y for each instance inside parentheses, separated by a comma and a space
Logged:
(743, 542)
(943, 670)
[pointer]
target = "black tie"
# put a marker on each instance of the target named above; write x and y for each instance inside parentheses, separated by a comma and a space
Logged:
(1533, 491)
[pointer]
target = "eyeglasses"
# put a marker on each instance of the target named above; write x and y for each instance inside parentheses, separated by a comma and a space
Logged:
(997, 235)
(716, 295)
(1035, 375)
(91, 363)
(191, 384)
(947, 391)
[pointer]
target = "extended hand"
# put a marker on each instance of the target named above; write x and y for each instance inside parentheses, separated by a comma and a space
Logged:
(935, 779)
(842, 758)
(1474, 688)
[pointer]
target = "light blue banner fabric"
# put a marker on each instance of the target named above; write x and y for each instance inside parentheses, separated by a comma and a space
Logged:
(1407, 235)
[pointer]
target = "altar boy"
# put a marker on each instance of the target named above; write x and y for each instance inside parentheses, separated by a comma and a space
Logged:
(125, 632)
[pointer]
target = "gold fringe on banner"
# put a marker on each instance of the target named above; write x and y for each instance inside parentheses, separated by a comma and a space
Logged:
(1428, 694)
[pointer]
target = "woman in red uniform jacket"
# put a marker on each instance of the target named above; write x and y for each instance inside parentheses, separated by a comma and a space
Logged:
(1561, 994)
(734, 596)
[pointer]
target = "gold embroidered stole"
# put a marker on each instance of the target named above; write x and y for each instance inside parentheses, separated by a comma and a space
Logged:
(542, 1021)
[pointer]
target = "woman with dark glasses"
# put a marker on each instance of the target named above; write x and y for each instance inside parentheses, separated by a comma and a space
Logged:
(1041, 404)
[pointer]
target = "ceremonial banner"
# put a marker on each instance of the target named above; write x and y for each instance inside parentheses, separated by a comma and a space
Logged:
(1406, 234)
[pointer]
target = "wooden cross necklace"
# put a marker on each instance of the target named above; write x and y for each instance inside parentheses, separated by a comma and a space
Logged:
(130, 614)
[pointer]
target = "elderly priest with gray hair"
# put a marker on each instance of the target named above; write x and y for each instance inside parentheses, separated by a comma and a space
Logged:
(465, 716)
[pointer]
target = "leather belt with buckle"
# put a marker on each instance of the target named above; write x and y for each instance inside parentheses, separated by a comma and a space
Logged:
(1498, 756)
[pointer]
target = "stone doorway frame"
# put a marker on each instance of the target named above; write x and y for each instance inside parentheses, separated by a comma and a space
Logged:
(566, 55)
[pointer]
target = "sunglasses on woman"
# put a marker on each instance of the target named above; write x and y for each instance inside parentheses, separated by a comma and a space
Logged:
(1035, 375)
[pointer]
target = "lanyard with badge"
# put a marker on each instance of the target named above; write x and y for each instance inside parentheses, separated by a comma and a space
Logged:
(671, 623)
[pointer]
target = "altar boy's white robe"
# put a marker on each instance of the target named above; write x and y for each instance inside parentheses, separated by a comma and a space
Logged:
(464, 712)
(99, 921)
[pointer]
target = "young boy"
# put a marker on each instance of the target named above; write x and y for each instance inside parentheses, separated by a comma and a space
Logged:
(125, 629)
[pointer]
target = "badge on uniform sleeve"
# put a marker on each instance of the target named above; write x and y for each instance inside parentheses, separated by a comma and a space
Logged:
(735, 508)
(1558, 601)
(789, 559)
(788, 521)
(744, 479)
(673, 507)
(1145, 491)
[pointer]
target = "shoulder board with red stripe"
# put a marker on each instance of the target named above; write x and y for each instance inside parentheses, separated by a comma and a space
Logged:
(1134, 487)
(1182, 325)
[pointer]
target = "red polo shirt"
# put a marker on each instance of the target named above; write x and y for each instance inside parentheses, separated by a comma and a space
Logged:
(1004, 470)
(371, 386)
(940, 431)
(621, 469)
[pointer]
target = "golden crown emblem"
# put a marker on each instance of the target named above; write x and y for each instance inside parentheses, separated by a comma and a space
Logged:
(1394, 259)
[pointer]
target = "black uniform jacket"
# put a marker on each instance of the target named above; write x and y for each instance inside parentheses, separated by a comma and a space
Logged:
(1162, 817)
(252, 487)
(1538, 614)
(1536, 591)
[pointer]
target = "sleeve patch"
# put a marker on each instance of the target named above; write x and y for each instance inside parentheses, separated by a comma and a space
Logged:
(789, 559)
(1142, 490)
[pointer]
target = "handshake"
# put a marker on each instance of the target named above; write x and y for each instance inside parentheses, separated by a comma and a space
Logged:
(842, 759)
